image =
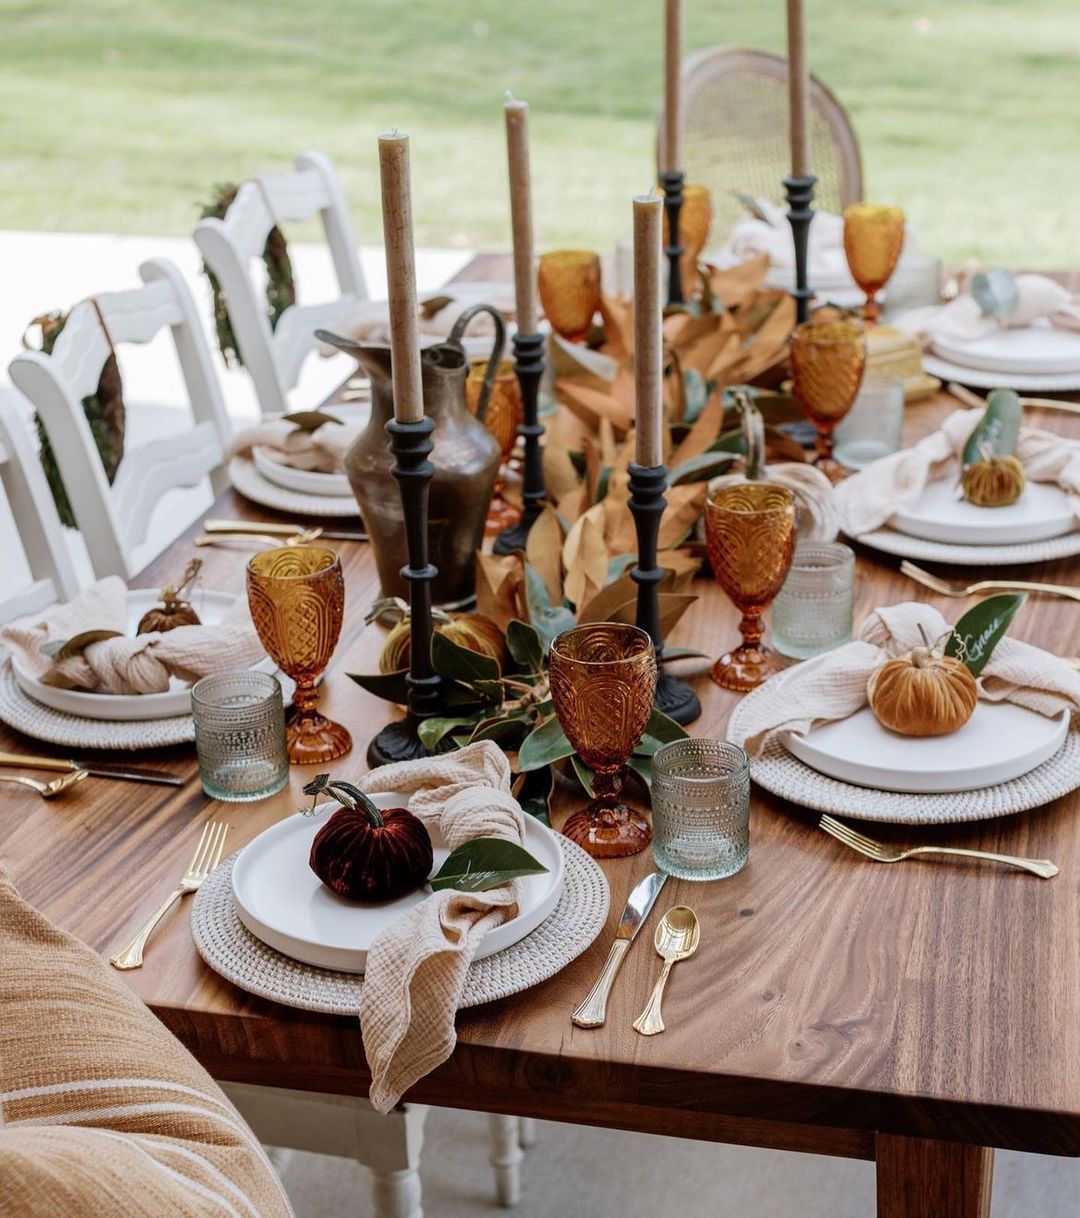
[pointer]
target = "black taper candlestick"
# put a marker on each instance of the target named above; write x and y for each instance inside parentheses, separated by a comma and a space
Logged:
(800, 194)
(672, 182)
(647, 485)
(411, 445)
(529, 367)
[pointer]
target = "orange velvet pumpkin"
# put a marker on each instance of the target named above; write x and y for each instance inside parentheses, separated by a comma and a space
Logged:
(922, 693)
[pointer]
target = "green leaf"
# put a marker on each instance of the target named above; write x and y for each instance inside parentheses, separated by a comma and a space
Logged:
(698, 469)
(506, 730)
(661, 728)
(458, 663)
(483, 863)
(979, 631)
(584, 775)
(64, 649)
(525, 646)
(548, 620)
(533, 791)
(490, 691)
(431, 731)
(388, 685)
(995, 292)
(311, 420)
(642, 767)
(999, 427)
(696, 393)
(543, 745)
(682, 653)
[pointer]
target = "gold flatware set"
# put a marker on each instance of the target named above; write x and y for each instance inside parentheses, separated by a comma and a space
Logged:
(945, 588)
(277, 529)
(48, 790)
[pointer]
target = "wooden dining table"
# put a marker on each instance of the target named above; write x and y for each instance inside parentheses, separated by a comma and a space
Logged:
(916, 1015)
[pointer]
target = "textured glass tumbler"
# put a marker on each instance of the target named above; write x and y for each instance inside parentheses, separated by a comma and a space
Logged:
(240, 735)
(701, 809)
(813, 611)
(874, 426)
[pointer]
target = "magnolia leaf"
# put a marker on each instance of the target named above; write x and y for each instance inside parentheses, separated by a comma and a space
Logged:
(548, 620)
(390, 686)
(584, 775)
(311, 420)
(979, 631)
(431, 731)
(543, 745)
(533, 791)
(658, 731)
(682, 653)
(585, 556)
(994, 291)
(543, 550)
(695, 393)
(701, 468)
(752, 206)
(64, 649)
(431, 305)
(999, 427)
(506, 730)
(483, 863)
(642, 767)
(460, 663)
(500, 593)
(525, 646)
(704, 431)
(685, 504)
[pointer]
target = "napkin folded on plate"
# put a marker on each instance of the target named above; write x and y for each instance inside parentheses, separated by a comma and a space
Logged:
(962, 319)
(815, 499)
(322, 450)
(416, 967)
(869, 498)
(772, 236)
(129, 665)
(835, 686)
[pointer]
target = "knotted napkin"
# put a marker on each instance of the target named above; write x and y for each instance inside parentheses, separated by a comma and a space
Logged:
(815, 498)
(141, 664)
(322, 450)
(962, 319)
(835, 686)
(869, 498)
(416, 968)
(772, 236)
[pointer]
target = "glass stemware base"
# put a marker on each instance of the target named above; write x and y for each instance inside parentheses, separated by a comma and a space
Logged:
(831, 468)
(312, 738)
(745, 667)
(609, 830)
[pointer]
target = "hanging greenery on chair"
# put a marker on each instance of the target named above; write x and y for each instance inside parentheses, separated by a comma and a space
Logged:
(104, 412)
(280, 281)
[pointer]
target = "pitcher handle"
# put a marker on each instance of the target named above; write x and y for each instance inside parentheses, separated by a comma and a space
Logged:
(494, 358)
(753, 429)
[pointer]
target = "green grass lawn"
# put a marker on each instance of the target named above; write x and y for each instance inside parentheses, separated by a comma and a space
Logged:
(121, 115)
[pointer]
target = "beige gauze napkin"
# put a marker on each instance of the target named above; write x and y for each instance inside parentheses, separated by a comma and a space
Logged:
(322, 450)
(962, 319)
(772, 236)
(416, 968)
(141, 664)
(835, 687)
(869, 498)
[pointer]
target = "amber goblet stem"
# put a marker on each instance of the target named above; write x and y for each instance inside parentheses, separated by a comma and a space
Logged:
(529, 366)
(672, 182)
(800, 194)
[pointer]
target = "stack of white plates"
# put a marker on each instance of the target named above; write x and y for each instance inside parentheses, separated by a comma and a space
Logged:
(1036, 358)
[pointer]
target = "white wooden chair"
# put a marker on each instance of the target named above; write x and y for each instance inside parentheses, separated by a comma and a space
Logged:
(35, 518)
(230, 246)
(114, 519)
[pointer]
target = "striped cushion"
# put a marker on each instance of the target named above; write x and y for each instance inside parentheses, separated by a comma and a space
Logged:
(102, 1111)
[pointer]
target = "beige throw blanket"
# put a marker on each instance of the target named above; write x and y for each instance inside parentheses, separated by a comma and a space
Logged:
(142, 664)
(869, 498)
(835, 687)
(416, 968)
(322, 450)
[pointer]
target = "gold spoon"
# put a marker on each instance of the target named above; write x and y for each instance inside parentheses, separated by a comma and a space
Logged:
(48, 790)
(676, 939)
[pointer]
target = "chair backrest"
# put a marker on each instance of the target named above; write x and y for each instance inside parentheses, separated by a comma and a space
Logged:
(114, 519)
(52, 573)
(735, 134)
(230, 246)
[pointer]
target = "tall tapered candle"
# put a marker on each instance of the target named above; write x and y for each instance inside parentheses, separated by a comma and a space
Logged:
(517, 150)
(672, 103)
(648, 341)
(798, 89)
(401, 276)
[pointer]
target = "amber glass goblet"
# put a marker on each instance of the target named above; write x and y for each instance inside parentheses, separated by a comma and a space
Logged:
(750, 532)
(503, 417)
(828, 359)
(603, 680)
(297, 600)
(569, 283)
(695, 221)
(873, 238)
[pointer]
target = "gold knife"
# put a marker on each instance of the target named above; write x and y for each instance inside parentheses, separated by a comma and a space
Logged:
(277, 528)
(99, 770)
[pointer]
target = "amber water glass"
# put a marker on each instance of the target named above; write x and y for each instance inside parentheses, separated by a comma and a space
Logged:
(569, 283)
(873, 239)
(828, 359)
(503, 416)
(603, 680)
(750, 533)
(297, 600)
(695, 221)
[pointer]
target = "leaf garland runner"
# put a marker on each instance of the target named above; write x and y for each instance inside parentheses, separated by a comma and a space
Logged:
(280, 280)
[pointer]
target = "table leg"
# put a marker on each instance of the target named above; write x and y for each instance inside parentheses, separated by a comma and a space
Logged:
(917, 1178)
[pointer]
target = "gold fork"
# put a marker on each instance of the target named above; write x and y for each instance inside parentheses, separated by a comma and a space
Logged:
(206, 857)
(880, 853)
(297, 539)
(945, 588)
(48, 790)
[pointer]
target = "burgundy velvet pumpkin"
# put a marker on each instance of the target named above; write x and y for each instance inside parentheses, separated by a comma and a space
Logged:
(369, 855)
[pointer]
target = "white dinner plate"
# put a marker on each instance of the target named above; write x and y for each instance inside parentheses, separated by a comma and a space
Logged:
(1038, 349)
(210, 606)
(306, 481)
(1001, 741)
(1042, 511)
(283, 903)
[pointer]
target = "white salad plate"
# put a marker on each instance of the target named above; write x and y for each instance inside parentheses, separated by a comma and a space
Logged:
(1042, 511)
(282, 902)
(1039, 349)
(129, 708)
(306, 481)
(1001, 741)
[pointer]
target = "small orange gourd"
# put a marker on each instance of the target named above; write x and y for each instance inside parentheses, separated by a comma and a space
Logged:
(175, 609)
(922, 693)
(470, 630)
(994, 481)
